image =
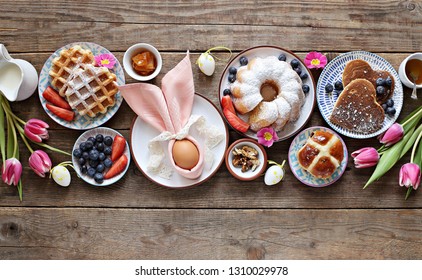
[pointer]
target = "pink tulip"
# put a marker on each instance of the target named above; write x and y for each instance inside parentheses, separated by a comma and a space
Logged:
(12, 171)
(40, 162)
(36, 130)
(365, 157)
(393, 135)
(410, 175)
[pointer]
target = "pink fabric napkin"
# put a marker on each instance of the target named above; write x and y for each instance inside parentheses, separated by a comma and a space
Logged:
(167, 109)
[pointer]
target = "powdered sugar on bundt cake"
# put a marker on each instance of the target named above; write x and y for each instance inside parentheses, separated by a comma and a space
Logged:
(270, 90)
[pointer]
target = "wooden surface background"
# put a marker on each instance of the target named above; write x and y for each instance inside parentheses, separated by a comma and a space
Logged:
(223, 218)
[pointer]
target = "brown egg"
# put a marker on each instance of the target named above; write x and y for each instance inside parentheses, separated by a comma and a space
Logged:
(185, 154)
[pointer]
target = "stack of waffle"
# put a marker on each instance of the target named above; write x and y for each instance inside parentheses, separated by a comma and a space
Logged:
(88, 89)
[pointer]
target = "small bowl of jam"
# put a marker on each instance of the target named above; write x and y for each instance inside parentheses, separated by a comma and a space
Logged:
(142, 62)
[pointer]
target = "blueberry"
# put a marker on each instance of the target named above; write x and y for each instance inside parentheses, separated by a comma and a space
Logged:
(390, 103)
(227, 92)
(232, 70)
(384, 106)
(380, 82)
(100, 167)
(89, 145)
(329, 88)
(93, 155)
(232, 78)
(77, 153)
(282, 57)
(108, 162)
(338, 85)
(243, 61)
(93, 163)
(107, 151)
(84, 169)
(81, 161)
(100, 146)
(108, 140)
(294, 63)
(298, 70)
(82, 146)
(388, 82)
(102, 157)
(99, 178)
(91, 172)
(305, 88)
(303, 75)
(92, 139)
(85, 155)
(99, 138)
(391, 111)
(380, 90)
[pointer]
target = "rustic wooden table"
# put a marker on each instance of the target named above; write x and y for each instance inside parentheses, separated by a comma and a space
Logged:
(223, 218)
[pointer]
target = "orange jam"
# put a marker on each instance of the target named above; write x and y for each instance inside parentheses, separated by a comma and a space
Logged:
(144, 63)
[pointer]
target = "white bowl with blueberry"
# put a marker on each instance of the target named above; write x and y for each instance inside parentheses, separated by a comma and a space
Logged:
(101, 156)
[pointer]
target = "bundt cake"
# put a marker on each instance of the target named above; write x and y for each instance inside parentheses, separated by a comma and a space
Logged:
(270, 91)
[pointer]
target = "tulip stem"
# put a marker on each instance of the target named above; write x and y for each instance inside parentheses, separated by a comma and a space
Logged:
(51, 148)
(411, 118)
(412, 157)
(26, 142)
(7, 108)
(15, 137)
(409, 190)
(20, 189)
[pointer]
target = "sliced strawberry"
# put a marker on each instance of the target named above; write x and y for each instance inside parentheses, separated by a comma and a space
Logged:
(64, 114)
(117, 167)
(226, 102)
(52, 96)
(236, 122)
(118, 147)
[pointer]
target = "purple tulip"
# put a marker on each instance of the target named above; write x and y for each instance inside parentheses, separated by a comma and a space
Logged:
(40, 162)
(410, 175)
(393, 135)
(365, 157)
(36, 130)
(12, 171)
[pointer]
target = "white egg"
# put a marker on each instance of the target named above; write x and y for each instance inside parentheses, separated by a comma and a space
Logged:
(273, 175)
(206, 64)
(61, 176)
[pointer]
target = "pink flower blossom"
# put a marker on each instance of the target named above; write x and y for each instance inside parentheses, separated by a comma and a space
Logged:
(267, 136)
(36, 130)
(315, 60)
(105, 60)
(393, 135)
(365, 157)
(40, 162)
(410, 175)
(12, 171)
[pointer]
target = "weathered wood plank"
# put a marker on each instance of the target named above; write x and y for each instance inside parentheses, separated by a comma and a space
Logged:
(37, 233)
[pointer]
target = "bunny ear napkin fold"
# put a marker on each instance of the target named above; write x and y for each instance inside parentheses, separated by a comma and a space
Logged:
(169, 111)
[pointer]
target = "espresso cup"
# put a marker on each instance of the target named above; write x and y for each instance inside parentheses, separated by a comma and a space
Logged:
(402, 71)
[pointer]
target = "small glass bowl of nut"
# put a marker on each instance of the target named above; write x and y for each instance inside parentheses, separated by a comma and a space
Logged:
(246, 160)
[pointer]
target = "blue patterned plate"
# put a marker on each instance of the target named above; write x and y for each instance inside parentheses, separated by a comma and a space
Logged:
(304, 176)
(81, 122)
(333, 72)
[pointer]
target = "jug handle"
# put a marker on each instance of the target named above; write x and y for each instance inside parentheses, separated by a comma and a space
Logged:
(4, 54)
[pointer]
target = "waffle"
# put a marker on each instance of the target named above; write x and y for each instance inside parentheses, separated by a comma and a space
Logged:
(91, 90)
(63, 65)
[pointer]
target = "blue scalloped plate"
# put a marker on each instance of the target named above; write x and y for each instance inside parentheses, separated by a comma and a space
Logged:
(81, 122)
(333, 72)
(302, 175)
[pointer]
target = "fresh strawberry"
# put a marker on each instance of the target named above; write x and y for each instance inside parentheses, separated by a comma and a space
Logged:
(118, 147)
(64, 114)
(117, 167)
(236, 122)
(227, 102)
(52, 96)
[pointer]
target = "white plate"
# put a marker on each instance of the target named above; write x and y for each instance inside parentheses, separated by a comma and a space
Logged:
(142, 133)
(264, 51)
(302, 175)
(81, 122)
(333, 72)
(92, 133)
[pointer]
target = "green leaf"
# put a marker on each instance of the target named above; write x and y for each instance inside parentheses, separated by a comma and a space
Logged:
(2, 131)
(412, 140)
(388, 159)
(414, 121)
(10, 140)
